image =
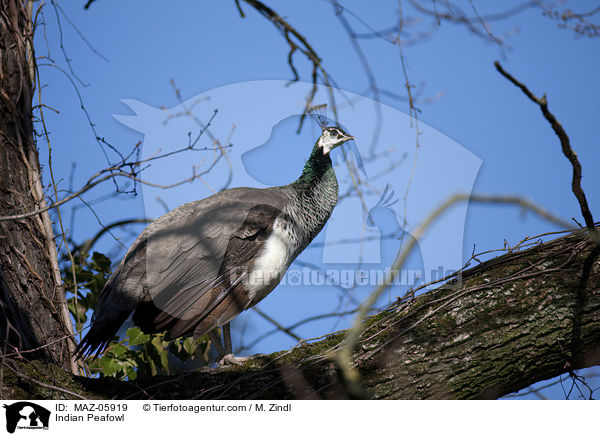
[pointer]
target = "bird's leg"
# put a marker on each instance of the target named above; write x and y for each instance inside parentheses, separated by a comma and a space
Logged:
(223, 348)
(216, 340)
(227, 339)
(226, 356)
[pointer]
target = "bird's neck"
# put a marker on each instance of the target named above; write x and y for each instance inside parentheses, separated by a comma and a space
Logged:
(316, 192)
(317, 170)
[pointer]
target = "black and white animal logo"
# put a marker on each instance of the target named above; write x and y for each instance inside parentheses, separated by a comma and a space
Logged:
(26, 415)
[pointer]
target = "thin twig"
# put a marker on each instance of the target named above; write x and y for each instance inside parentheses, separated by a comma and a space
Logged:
(279, 326)
(298, 42)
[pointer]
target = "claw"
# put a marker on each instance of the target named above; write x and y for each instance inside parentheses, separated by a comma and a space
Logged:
(230, 359)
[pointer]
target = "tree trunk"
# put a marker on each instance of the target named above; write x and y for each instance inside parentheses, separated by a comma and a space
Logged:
(33, 316)
(517, 319)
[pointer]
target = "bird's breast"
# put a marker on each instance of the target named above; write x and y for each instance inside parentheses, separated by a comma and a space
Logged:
(272, 262)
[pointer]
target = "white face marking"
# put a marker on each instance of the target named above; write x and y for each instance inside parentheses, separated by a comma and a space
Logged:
(331, 138)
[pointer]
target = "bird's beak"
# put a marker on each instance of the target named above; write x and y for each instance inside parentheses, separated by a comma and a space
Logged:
(349, 138)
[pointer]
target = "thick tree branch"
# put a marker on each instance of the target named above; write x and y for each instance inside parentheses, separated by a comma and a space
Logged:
(32, 305)
(522, 317)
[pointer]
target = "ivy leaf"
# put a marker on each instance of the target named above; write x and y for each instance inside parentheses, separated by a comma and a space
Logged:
(109, 365)
(118, 350)
(158, 346)
(136, 337)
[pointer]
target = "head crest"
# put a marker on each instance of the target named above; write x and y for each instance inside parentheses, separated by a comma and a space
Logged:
(318, 113)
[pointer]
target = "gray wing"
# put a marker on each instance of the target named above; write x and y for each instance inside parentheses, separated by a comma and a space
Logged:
(169, 274)
(187, 254)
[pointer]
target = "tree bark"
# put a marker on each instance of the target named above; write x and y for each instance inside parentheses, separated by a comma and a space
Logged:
(32, 304)
(517, 319)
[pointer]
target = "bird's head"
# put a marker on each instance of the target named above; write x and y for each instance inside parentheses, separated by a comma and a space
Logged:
(331, 138)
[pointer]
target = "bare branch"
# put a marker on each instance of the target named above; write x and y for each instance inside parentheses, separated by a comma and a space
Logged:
(277, 325)
(298, 42)
(88, 244)
(582, 27)
(564, 142)
(117, 171)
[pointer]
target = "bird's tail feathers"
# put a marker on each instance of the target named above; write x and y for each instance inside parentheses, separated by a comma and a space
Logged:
(101, 333)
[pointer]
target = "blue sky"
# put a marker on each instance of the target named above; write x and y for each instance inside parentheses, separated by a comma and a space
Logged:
(206, 45)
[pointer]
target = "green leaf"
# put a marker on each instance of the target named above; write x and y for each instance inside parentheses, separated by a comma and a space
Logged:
(100, 262)
(118, 350)
(136, 337)
(160, 356)
(109, 365)
(190, 345)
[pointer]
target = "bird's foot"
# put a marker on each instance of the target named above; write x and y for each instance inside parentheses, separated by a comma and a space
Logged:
(230, 359)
